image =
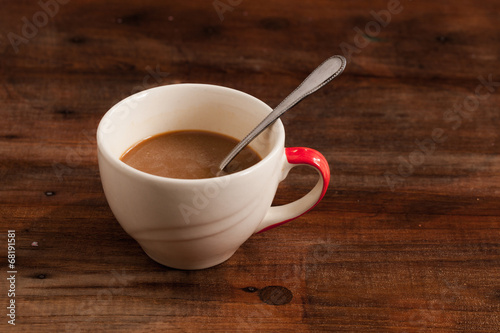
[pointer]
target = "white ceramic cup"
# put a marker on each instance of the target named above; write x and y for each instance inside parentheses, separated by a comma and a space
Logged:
(198, 223)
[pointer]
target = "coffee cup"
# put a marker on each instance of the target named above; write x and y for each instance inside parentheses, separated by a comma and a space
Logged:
(199, 223)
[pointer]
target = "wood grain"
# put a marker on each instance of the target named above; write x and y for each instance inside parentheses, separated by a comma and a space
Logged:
(406, 239)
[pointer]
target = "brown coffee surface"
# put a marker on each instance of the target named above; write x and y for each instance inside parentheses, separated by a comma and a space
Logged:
(189, 154)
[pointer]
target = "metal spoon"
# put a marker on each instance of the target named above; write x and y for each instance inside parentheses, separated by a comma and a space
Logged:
(324, 73)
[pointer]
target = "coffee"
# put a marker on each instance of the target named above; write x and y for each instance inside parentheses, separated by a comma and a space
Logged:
(189, 154)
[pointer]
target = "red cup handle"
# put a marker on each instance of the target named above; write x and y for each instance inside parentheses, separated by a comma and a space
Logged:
(278, 215)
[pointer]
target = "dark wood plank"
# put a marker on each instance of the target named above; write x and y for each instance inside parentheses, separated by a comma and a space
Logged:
(393, 247)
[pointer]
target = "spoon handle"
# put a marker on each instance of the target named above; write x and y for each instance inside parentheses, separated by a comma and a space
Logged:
(324, 73)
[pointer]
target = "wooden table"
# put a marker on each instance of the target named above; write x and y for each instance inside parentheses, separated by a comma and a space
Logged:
(406, 239)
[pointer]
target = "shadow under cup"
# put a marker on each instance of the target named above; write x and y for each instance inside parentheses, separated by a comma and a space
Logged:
(189, 223)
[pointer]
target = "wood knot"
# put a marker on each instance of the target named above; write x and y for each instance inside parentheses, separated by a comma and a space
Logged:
(275, 295)
(443, 39)
(211, 30)
(249, 289)
(275, 23)
(134, 19)
(10, 136)
(77, 40)
(65, 112)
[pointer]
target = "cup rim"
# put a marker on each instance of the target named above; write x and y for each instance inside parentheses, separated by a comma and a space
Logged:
(102, 149)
